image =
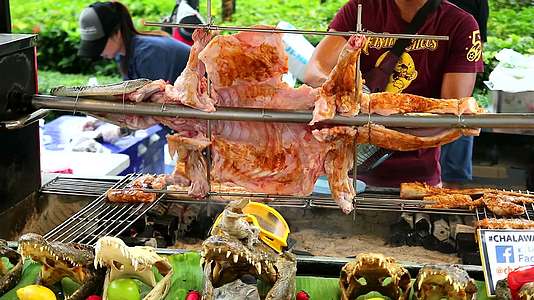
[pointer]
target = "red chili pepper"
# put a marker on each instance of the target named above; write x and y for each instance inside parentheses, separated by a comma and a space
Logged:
(94, 297)
(518, 277)
(302, 295)
(193, 295)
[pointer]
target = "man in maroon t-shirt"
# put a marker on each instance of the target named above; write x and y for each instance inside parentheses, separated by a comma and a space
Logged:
(430, 68)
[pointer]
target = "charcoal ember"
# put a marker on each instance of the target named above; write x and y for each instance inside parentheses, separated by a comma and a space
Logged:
(430, 242)
(399, 233)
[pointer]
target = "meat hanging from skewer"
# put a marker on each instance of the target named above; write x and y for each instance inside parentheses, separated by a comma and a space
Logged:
(275, 158)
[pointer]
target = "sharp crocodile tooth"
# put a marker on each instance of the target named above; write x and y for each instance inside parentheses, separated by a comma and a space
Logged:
(258, 267)
(220, 250)
(236, 258)
(216, 272)
(228, 253)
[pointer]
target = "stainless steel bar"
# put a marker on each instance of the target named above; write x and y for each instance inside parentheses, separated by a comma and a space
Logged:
(135, 214)
(138, 216)
(96, 206)
(358, 82)
(99, 221)
(298, 31)
(500, 120)
(26, 120)
(208, 9)
(100, 200)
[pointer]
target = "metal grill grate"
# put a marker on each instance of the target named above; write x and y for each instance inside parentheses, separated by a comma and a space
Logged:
(382, 199)
(484, 213)
(77, 186)
(389, 202)
(100, 218)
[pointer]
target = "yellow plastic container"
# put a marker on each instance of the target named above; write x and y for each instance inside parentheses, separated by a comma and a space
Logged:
(273, 228)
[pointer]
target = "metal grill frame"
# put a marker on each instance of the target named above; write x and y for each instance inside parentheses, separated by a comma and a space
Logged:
(101, 218)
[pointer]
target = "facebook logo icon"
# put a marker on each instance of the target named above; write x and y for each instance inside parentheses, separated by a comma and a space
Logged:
(505, 254)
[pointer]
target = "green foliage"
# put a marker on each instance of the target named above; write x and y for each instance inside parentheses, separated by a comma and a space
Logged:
(50, 79)
(511, 25)
(56, 22)
(511, 3)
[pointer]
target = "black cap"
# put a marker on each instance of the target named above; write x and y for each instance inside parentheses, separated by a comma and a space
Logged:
(96, 24)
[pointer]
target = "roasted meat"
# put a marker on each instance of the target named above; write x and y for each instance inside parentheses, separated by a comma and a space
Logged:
(387, 103)
(191, 166)
(338, 162)
(492, 223)
(395, 140)
(500, 206)
(133, 193)
(450, 201)
(339, 92)
(501, 203)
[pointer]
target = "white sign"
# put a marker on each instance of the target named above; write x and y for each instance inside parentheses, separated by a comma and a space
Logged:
(503, 251)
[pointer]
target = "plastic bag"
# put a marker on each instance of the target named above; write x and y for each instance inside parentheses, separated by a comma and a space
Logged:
(298, 49)
(513, 73)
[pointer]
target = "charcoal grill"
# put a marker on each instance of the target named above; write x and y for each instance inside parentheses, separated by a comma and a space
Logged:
(21, 107)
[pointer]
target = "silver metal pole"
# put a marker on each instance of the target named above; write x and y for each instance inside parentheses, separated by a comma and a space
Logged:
(26, 120)
(358, 82)
(208, 150)
(299, 31)
(500, 120)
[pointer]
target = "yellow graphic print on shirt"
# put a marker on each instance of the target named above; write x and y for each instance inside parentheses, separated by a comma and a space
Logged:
(475, 52)
(403, 73)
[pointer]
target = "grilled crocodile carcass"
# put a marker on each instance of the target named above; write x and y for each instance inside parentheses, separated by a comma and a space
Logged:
(133, 262)
(374, 272)
(233, 250)
(449, 281)
(61, 260)
(10, 277)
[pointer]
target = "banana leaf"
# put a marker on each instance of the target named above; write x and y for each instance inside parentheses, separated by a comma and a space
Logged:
(30, 272)
(188, 276)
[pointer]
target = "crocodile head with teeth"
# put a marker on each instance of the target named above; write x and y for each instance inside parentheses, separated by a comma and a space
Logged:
(61, 260)
(234, 250)
(9, 277)
(437, 281)
(374, 272)
(133, 262)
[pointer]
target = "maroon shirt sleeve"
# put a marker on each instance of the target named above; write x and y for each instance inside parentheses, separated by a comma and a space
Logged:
(465, 54)
(345, 18)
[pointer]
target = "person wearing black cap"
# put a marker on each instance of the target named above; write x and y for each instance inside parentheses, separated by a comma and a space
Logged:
(107, 30)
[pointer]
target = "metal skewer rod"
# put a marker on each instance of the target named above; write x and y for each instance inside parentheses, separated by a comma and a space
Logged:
(208, 149)
(498, 120)
(358, 82)
(298, 31)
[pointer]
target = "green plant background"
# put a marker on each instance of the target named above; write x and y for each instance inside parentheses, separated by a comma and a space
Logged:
(511, 25)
